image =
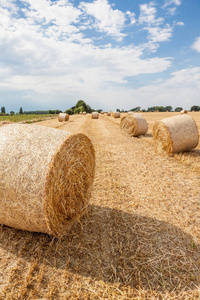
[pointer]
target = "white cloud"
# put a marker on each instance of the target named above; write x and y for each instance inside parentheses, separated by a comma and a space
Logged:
(196, 45)
(148, 14)
(107, 19)
(157, 34)
(171, 6)
(131, 15)
(172, 2)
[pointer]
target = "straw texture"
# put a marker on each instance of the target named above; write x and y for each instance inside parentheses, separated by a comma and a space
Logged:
(46, 177)
(175, 134)
(184, 111)
(95, 115)
(133, 125)
(62, 117)
(116, 114)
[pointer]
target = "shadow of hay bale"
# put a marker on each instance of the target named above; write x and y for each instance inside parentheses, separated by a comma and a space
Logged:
(114, 247)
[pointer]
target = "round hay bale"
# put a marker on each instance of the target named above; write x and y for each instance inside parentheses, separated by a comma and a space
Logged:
(46, 177)
(108, 113)
(84, 112)
(62, 117)
(184, 111)
(134, 125)
(130, 112)
(80, 113)
(102, 112)
(175, 134)
(95, 115)
(116, 114)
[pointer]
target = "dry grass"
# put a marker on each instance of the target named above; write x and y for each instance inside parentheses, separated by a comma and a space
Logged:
(140, 239)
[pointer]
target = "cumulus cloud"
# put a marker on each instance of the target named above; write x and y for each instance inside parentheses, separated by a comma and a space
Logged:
(196, 45)
(107, 19)
(148, 14)
(171, 6)
(158, 34)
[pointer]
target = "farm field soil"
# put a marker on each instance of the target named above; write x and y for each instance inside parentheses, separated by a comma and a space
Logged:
(139, 240)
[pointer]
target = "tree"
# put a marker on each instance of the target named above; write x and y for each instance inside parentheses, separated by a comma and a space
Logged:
(195, 108)
(69, 111)
(77, 110)
(12, 113)
(118, 109)
(168, 108)
(178, 109)
(81, 103)
(3, 110)
(21, 111)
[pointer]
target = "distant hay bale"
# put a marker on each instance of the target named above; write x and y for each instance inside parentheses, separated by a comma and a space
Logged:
(116, 114)
(134, 125)
(102, 112)
(175, 134)
(46, 177)
(108, 113)
(80, 113)
(62, 117)
(184, 111)
(130, 112)
(84, 112)
(95, 115)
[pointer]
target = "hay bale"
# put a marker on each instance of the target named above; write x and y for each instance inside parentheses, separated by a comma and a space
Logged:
(102, 112)
(184, 111)
(175, 134)
(62, 117)
(116, 114)
(134, 125)
(84, 112)
(95, 115)
(130, 112)
(46, 177)
(108, 113)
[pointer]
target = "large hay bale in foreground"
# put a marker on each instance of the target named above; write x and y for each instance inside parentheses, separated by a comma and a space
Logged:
(116, 114)
(175, 134)
(62, 117)
(46, 177)
(134, 125)
(95, 115)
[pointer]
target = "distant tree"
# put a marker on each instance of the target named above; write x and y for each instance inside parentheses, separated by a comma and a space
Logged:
(118, 109)
(81, 103)
(77, 110)
(138, 108)
(195, 108)
(169, 108)
(3, 110)
(69, 111)
(178, 109)
(21, 111)
(89, 109)
(12, 113)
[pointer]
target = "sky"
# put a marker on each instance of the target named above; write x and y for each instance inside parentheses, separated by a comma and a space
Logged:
(111, 54)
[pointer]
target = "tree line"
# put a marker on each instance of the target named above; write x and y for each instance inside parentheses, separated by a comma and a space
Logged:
(81, 106)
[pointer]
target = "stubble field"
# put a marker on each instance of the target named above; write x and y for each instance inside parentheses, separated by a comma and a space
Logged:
(140, 238)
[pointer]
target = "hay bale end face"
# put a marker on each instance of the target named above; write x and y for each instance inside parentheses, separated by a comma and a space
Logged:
(95, 115)
(116, 114)
(62, 117)
(175, 134)
(46, 177)
(184, 111)
(134, 125)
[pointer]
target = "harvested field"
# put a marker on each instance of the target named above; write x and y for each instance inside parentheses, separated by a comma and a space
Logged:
(140, 239)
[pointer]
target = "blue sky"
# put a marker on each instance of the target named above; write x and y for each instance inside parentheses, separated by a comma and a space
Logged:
(112, 54)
